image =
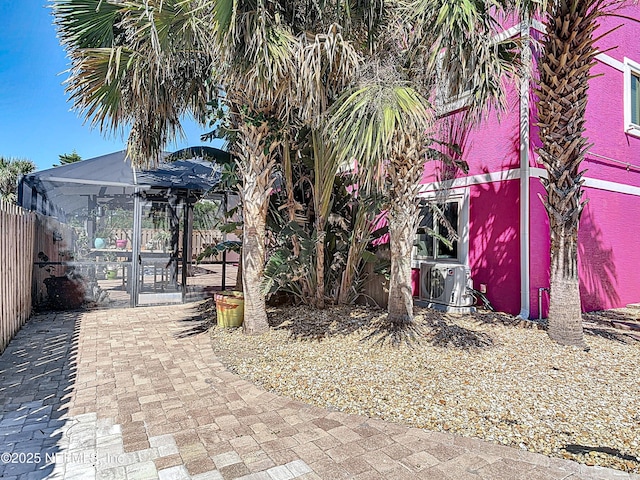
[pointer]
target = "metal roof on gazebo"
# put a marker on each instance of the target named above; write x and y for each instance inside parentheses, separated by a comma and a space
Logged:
(61, 189)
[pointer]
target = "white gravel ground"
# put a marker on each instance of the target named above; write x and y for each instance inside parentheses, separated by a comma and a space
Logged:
(471, 375)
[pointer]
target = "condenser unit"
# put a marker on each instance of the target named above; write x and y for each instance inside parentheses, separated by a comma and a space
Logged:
(445, 284)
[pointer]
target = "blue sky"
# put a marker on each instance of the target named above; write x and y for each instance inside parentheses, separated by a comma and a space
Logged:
(36, 121)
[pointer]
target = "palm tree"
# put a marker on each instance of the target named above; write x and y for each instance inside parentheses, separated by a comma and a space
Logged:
(10, 171)
(564, 68)
(327, 64)
(257, 54)
(142, 64)
(382, 123)
(285, 79)
(147, 63)
(386, 121)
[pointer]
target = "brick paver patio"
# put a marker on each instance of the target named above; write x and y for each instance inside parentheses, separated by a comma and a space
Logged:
(121, 394)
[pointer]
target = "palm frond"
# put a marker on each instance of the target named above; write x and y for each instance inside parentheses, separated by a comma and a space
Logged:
(462, 51)
(364, 121)
(256, 50)
(11, 169)
(142, 64)
(327, 64)
(87, 23)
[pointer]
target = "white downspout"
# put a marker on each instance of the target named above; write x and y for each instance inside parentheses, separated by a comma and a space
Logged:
(525, 171)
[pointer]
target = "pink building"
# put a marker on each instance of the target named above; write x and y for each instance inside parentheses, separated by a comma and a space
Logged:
(501, 221)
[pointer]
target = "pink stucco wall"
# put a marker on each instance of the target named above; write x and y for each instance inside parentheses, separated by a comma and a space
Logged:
(608, 253)
(605, 129)
(479, 146)
(494, 242)
(605, 110)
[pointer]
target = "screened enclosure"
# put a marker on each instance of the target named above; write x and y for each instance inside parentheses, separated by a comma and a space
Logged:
(125, 236)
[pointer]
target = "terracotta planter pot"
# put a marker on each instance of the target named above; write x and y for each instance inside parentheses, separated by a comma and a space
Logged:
(229, 308)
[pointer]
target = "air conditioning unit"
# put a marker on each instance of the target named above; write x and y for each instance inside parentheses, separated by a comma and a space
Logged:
(445, 284)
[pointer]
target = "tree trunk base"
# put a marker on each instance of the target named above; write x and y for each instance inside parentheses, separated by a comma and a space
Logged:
(565, 314)
(252, 331)
(400, 320)
(397, 330)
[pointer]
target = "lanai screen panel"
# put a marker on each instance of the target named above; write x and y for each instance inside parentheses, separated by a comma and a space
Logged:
(94, 199)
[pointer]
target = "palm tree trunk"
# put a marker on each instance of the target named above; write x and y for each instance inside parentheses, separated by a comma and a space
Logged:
(325, 169)
(405, 172)
(287, 167)
(359, 239)
(402, 228)
(253, 254)
(347, 276)
(566, 327)
(255, 165)
(320, 237)
(565, 67)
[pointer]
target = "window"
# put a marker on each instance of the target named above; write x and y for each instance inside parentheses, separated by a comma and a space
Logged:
(451, 95)
(438, 231)
(631, 97)
(635, 98)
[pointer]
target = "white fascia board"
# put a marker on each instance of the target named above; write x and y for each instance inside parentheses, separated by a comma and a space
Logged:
(463, 182)
(538, 25)
(430, 189)
(596, 183)
(508, 33)
(612, 62)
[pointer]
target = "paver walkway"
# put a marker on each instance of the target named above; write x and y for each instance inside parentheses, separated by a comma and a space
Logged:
(121, 394)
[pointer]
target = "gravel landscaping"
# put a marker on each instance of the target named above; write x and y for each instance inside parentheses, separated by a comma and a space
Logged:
(477, 375)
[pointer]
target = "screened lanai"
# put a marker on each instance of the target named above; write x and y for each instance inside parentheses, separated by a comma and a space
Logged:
(125, 236)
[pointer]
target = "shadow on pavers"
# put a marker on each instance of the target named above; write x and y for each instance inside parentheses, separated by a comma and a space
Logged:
(202, 318)
(37, 374)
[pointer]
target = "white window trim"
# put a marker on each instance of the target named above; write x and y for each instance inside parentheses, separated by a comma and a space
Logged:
(462, 197)
(630, 67)
(445, 103)
(455, 103)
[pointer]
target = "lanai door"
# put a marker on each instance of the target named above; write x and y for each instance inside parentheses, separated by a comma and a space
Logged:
(160, 253)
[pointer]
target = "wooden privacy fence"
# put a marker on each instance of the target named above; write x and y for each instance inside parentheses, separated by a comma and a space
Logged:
(375, 288)
(17, 230)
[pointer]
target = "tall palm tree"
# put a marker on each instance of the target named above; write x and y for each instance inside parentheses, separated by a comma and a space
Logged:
(382, 123)
(564, 67)
(386, 121)
(327, 64)
(147, 63)
(257, 54)
(142, 64)
(10, 171)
